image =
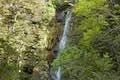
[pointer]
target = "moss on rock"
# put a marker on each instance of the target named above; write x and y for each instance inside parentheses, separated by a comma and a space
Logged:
(29, 28)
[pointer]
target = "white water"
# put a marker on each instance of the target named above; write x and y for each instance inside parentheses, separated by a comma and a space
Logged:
(58, 74)
(63, 41)
(65, 33)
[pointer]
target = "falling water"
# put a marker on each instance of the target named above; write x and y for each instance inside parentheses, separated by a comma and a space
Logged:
(66, 29)
(58, 74)
(63, 42)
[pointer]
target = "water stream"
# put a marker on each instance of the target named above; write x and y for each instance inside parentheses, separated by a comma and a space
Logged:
(63, 41)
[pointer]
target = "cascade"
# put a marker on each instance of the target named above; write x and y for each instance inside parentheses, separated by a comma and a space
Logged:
(63, 40)
(62, 43)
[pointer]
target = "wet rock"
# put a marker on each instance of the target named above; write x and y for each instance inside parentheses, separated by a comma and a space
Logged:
(61, 11)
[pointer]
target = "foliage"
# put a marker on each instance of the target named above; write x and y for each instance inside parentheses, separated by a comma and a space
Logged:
(90, 21)
(28, 30)
(108, 40)
(85, 7)
(8, 62)
(93, 32)
(25, 25)
(82, 65)
(59, 2)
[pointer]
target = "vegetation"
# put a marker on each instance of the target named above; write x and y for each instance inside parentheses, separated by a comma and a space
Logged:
(92, 52)
(29, 33)
(24, 29)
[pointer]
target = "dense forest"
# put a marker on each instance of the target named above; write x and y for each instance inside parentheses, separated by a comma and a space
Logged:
(59, 39)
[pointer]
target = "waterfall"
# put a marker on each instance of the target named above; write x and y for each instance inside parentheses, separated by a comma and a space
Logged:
(63, 41)
(58, 73)
(65, 33)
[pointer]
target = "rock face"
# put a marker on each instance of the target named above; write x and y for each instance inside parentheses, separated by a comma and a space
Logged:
(61, 11)
(31, 29)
